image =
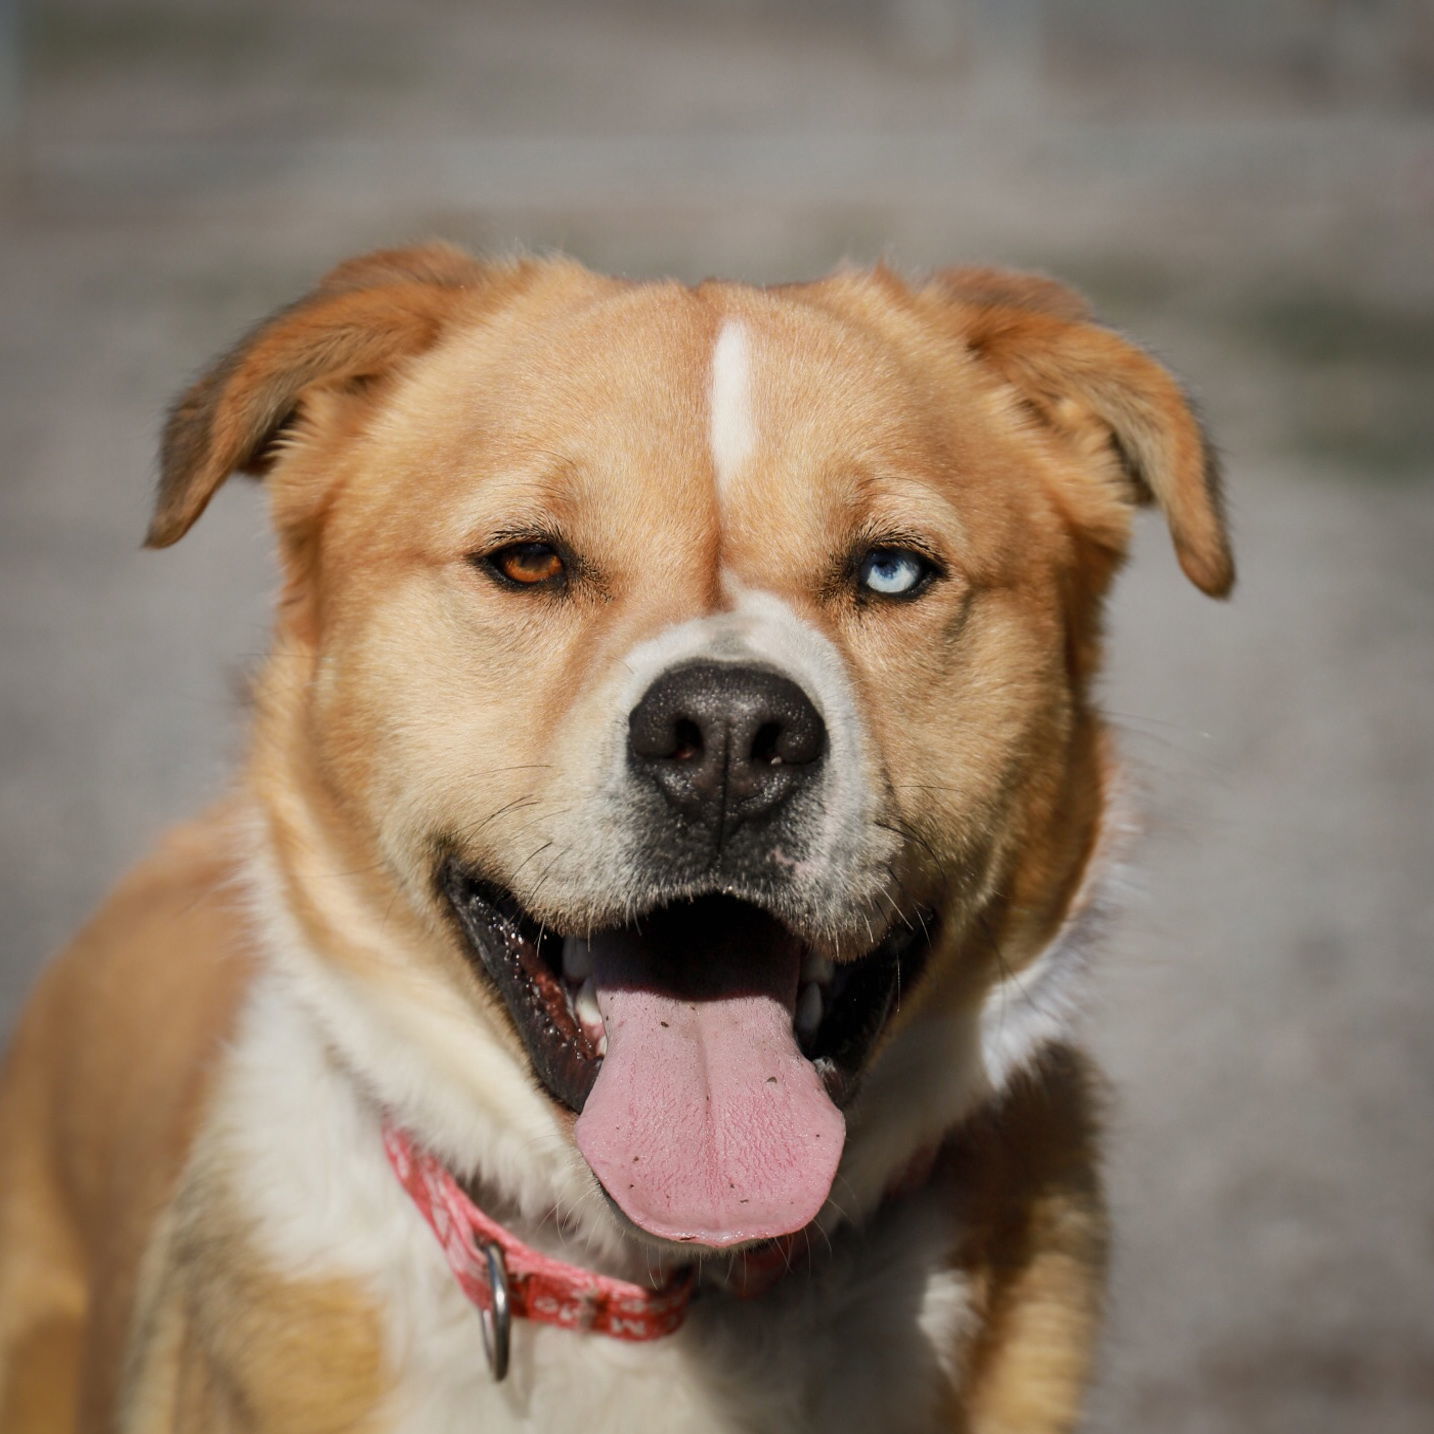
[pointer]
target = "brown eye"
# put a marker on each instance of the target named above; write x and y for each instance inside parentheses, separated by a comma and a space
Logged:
(527, 564)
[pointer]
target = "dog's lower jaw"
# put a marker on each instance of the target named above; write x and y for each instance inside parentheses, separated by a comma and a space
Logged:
(452, 1074)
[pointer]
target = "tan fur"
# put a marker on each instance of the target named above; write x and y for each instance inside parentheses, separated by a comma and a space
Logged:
(1036, 1235)
(413, 410)
(100, 1102)
(223, 1343)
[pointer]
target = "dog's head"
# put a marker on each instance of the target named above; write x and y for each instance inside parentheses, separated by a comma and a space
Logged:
(679, 712)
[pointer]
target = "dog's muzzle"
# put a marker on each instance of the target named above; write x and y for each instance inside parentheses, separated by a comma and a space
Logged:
(710, 1025)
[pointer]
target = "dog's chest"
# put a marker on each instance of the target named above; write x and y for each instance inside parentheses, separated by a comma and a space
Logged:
(860, 1346)
(864, 1337)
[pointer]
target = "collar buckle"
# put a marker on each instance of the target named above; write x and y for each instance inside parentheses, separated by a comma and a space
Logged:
(497, 1322)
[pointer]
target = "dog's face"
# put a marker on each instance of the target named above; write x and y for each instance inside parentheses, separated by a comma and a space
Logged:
(702, 672)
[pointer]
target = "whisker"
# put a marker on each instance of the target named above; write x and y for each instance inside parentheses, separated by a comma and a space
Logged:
(529, 799)
(538, 851)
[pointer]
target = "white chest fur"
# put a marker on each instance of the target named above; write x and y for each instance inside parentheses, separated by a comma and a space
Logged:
(862, 1340)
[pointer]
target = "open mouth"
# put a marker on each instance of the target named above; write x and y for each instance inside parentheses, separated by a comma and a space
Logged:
(706, 1049)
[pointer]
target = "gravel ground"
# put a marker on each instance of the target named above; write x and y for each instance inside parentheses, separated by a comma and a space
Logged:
(1263, 1008)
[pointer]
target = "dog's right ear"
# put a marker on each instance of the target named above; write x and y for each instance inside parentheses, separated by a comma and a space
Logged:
(362, 320)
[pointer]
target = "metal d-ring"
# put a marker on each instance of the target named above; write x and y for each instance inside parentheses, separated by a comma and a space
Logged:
(497, 1323)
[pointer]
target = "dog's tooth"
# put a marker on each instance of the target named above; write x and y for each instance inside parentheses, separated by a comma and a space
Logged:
(602, 1044)
(809, 1009)
(586, 1007)
(577, 959)
(817, 968)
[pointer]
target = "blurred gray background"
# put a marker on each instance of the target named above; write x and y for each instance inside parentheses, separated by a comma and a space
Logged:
(1249, 187)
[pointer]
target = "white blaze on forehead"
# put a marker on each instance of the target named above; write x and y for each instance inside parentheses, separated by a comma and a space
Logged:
(732, 433)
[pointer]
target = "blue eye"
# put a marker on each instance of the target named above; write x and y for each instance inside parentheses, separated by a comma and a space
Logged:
(893, 572)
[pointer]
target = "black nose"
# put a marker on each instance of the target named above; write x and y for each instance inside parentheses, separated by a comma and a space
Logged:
(726, 744)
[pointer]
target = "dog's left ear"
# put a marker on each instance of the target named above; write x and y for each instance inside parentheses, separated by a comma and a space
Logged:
(1070, 370)
(356, 327)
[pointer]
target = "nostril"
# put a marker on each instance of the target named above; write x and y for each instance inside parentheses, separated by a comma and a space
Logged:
(655, 735)
(764, 745)
(687, 742)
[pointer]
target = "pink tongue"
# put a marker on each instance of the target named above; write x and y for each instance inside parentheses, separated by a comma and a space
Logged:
(706, 1123)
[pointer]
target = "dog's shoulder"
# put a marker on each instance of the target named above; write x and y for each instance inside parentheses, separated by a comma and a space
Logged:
(223, 1338)
(139, 1004)
(1034, 1243)
(107, 1079)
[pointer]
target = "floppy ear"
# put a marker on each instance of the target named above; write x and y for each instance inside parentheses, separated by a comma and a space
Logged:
(1042, 339)
(362, 319)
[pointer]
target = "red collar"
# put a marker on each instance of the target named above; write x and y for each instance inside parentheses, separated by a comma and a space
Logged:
(505, 1277)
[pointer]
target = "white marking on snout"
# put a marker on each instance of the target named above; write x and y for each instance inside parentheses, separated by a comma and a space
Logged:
(732, 433)
(835, 866)
(844, 867)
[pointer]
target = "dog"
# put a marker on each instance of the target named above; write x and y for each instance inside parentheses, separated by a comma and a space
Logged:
(631, 986)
